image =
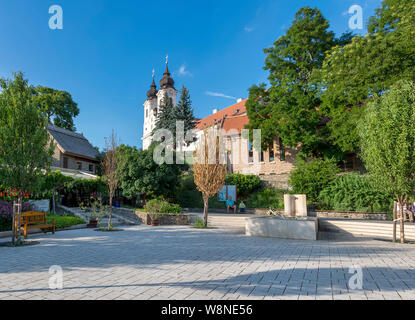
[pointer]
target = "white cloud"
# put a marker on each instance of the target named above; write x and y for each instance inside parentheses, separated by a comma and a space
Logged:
(183, 72)
(218, 94)
(248, 29)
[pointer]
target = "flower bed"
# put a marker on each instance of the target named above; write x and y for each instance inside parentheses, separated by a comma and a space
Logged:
(6, 214)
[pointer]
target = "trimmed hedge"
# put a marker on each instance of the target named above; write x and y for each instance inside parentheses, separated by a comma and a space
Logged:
(354, 192)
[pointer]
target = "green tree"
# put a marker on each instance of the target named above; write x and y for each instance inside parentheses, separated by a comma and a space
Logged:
(353, 74)
(25, 148)
(246, 184)
(166, 115)
(387, 134)
(311, 177)
(140, 174)
(289, 108)
(54, 181)
(58, 106)
(184, 112)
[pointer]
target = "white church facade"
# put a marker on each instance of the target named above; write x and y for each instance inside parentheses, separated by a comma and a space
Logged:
(153, 102)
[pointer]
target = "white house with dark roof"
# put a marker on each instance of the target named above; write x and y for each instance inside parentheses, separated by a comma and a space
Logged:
(74, 154)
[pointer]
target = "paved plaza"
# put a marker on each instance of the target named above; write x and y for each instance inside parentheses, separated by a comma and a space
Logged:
(185, 263)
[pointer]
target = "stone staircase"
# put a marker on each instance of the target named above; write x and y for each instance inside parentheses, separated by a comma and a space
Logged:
(117, 218)
(343, 229)
(228, 221)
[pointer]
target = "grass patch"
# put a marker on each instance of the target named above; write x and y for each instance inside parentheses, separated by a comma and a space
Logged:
(62, 222)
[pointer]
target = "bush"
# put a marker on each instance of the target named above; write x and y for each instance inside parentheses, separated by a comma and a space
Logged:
(200, 224)
(6, 214)
(354, 192)
(245, 184)
(310, 178)
(162, 207)
(267, 198)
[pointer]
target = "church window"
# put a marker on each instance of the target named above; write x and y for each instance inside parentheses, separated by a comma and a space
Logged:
(146, 113)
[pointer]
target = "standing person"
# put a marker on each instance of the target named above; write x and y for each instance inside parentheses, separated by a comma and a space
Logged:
(230, 204)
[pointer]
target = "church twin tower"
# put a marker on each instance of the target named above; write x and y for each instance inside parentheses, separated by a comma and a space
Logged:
(153, 102)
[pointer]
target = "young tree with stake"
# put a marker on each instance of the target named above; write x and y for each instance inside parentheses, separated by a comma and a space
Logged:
(209, 167)
(111, 166)
(26, 148)
(387, 135)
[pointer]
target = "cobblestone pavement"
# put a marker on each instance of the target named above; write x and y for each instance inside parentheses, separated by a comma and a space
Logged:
(185, 263)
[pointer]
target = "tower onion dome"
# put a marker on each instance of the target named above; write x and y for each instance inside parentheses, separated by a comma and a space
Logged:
(152, 93)
(167, 81)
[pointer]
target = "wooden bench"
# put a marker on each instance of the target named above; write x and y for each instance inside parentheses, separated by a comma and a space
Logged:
(34, 220)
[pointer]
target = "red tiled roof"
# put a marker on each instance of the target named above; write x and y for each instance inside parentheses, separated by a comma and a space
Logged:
(236, 123)
(232, 111)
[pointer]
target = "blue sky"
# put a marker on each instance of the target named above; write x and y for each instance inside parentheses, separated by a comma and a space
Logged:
(107, 49)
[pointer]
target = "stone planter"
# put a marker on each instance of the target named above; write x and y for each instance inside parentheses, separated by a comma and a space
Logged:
(155, 223)
(165, 220)
(282, 227)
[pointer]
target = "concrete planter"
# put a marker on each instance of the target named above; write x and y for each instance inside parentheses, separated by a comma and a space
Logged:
(281, 227)
(41, 205)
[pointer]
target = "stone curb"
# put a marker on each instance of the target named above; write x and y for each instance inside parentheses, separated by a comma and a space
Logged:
(7, 234)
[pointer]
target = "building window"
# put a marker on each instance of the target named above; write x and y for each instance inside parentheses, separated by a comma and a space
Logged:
(271, 154)
(91, 168)
(262, 156)
(250, 153)
(146, 113)
(96, 169)
(79, 165)
(65, 162)
(282, 150)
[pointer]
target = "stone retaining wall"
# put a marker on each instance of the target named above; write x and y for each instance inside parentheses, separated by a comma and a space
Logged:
(311, 213)
(349, 215)
(165, 220)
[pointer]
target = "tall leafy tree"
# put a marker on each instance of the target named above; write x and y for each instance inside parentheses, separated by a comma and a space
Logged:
(353, 74)
(26, 148)
(387, 134)
(140, 174)
(58, 106)
(184, 111)
(289, 108)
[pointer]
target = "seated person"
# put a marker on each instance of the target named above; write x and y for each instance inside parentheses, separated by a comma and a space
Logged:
(242, 207)
(230, 204)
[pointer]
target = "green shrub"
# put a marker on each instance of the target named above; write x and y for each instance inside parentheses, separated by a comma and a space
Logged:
(200, 224)
(267, 198)
(354, 192)
(310, 178)
(245, 184)
(162, 207)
